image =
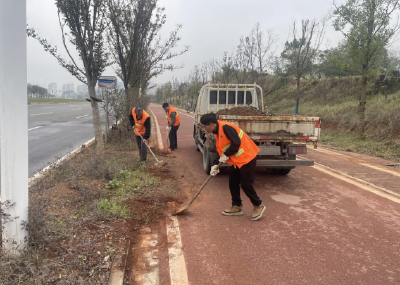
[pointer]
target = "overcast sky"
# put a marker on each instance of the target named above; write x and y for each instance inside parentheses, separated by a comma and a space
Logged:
(210, 27)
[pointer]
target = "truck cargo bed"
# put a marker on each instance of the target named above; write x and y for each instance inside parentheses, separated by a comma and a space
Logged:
(280, 127)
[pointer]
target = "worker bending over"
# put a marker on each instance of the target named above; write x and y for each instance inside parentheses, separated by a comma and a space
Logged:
(236, 148)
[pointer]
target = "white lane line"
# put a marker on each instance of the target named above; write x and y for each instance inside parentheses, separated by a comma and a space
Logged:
(159, 138)
(324, 150)
(185, 113)
(41, 114)
(83, 116)
(177, 265)
(381, 169)
(34, 128)
(380, 191)
(76, 109)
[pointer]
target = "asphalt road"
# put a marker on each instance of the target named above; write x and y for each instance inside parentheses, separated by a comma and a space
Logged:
(56, 129)
(326, 224)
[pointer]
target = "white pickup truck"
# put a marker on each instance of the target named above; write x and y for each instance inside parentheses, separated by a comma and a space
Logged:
(279, 137)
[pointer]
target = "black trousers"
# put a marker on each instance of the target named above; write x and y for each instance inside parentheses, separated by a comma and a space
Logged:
(243, 177)
(142, 148)
(173, 138)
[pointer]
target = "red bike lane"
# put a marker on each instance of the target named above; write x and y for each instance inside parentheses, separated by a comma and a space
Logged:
(317, 229)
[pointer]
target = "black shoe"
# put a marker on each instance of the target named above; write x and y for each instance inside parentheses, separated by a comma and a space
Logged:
(172, 149)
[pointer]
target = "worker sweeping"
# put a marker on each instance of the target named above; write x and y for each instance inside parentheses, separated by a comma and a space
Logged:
(173, 125)
(140, 121)
(236, 148)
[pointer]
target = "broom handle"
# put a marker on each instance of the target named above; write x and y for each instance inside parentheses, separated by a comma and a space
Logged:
(202, 187)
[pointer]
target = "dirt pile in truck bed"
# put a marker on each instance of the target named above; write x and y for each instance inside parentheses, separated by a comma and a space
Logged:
(241, 111)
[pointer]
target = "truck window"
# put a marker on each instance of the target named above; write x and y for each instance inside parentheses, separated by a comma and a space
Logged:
(231, 97)
(222, 97)
(213, 97)
(240, 97)
(249, 98)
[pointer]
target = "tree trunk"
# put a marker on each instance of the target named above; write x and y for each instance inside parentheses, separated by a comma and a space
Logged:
(96, 119)
(363, 102)
(296, 112)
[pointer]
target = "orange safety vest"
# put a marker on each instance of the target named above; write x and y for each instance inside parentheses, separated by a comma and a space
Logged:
(247, 150)
(139, 124)
(177, 119)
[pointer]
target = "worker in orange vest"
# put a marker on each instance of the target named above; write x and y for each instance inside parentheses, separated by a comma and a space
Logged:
(172, 125)
(140, 120)
(235, 147)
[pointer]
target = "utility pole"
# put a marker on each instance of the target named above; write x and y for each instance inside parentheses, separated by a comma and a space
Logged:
(14, 123)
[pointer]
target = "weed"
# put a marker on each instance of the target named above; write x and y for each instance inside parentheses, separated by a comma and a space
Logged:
(110, 209)
(113, 184)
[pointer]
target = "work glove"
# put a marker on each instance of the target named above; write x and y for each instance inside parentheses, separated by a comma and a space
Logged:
(168, 128)
(214, 170)
(223, 158)
(145, 141)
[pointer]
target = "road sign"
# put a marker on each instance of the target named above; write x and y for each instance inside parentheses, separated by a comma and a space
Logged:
(108, 82)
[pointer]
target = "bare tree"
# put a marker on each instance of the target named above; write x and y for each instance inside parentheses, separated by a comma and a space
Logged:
(301, 51)
(264, 52)
(367, 27)
(82, 24)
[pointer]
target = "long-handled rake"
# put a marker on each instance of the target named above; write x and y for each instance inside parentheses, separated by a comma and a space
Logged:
(159, 163)
(177, 212)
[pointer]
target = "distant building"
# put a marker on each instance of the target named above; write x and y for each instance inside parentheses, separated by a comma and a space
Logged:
(82, 90)
(69, 94)
(52, 90)
(68, 87)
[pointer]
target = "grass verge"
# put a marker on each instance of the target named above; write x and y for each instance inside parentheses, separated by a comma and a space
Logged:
(388, 148)
(83, 212)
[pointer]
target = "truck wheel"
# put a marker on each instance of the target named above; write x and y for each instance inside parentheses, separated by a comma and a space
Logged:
(206, 161)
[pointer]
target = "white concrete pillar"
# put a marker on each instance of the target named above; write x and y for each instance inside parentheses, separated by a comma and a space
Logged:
(14, 120)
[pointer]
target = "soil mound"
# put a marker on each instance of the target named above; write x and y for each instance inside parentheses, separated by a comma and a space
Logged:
(241, 111)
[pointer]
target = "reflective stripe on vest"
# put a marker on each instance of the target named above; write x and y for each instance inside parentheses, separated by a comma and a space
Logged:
(177, 119)
(240, 150)
(247, 151)
(139, 124)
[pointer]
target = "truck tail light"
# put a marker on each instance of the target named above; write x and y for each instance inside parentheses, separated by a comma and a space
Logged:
(297, 150)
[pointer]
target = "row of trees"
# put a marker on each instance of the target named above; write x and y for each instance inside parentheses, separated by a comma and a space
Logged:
(368, 28)
(122, 33)
(37, 90)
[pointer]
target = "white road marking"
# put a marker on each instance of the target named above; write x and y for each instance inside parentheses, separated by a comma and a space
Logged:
(83, 116)
(177, 265)
(41, 114)
(34, 128)
(323, 150)
(381, 169)
(365, 185)
(184, 112)
(160, 143)
(76, 109)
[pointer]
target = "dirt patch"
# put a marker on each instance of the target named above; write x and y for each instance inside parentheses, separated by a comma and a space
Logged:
(241, 111)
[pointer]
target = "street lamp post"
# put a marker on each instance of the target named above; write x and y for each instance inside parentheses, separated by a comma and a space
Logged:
(13, 112)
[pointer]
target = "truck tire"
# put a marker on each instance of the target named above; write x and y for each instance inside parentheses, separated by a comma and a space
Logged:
(206, 160)
(281, 171)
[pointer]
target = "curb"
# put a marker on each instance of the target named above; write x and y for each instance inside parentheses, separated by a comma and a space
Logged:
(70, 155)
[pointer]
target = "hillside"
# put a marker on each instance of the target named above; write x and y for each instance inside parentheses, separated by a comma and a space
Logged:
(335, 100)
